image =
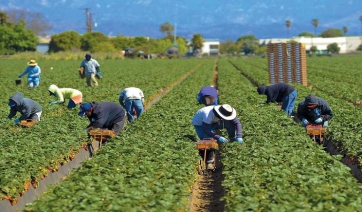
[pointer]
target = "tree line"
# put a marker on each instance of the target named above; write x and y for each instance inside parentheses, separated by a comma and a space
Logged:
(19, 32)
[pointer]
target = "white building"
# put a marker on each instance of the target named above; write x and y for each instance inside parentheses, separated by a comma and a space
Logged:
(346, 44)
(210, 47)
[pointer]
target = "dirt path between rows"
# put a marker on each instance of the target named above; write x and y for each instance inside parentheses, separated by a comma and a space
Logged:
(208, 190)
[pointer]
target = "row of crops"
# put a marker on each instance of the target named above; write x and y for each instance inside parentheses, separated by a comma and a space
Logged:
(31, 153)
(152, 166)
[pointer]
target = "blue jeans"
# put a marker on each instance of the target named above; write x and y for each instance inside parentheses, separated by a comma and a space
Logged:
(200, 133)
(71, 104)
(135, 104)
(289, 102)
(33, 82)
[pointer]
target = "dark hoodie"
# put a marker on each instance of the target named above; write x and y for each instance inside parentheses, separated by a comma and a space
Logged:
(106, 114)
(310, 114)
(276, 92)
(25, 106)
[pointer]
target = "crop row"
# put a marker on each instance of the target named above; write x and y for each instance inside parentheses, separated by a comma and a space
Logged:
(279, 168)
(31, 153)
(151, 167)
(323, 75)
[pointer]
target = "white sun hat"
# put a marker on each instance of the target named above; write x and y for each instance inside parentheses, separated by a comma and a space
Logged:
(225, 111)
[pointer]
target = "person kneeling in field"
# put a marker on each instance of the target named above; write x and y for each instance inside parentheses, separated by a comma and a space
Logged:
(28, 108)
(75, 96)
(211, 118)
(33, 70)
(102, 115)
(314, 110)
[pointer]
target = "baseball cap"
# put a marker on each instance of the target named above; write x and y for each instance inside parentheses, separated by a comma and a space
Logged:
(11, 103)
(84, 108)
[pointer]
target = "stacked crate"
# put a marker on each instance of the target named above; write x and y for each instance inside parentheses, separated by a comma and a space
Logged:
(287, 63)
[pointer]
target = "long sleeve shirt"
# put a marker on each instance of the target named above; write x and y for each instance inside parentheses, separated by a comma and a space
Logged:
(275, 93)
(206, 117)
(32, 71)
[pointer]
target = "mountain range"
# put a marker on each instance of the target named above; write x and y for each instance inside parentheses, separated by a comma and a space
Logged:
(214, 19)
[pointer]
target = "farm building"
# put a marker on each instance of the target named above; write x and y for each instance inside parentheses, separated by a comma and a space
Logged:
(210, 47)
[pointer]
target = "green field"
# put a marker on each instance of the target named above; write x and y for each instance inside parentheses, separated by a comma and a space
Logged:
(152, 165)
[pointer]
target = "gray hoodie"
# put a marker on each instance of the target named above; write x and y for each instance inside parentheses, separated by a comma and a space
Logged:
(310, 114)
(25, 106)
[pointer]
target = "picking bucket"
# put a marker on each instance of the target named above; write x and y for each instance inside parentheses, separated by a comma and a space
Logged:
(18, 82)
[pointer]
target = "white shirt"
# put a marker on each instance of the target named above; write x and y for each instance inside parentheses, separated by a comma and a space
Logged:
(131, 93)
(206, 115)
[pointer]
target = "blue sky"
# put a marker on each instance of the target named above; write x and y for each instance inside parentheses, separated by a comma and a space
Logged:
(222, 19)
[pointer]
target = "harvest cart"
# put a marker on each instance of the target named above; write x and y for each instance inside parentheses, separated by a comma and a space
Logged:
(316, 132)
(27, 123)
(100, 136)
(205, 147)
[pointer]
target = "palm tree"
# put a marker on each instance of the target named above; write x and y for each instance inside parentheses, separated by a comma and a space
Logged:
(315, 23)
(288, 23)
(167, 28)
(360, 18)
(345, 30)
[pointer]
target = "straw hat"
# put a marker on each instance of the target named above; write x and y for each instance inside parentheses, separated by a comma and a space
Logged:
(32, 63)
(225, 111)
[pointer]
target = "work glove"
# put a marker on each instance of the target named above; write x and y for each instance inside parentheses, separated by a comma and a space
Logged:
(239, 140)
(16, 121)
(318, 120)
(222, 140)
(53, 103)
(305, 122)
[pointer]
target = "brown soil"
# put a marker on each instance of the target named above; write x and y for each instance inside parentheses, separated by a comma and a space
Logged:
(208, 191)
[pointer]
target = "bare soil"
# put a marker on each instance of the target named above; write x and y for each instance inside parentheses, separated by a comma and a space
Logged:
(208, 191)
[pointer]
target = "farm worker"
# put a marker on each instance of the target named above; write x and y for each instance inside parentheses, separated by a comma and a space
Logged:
(211, 118)
(33, 71)
(28, 108)
(108, 115)
(74, 96)
(132, 99)
(90, 67)
(280, 92)
(314, 110)
(208, 95)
